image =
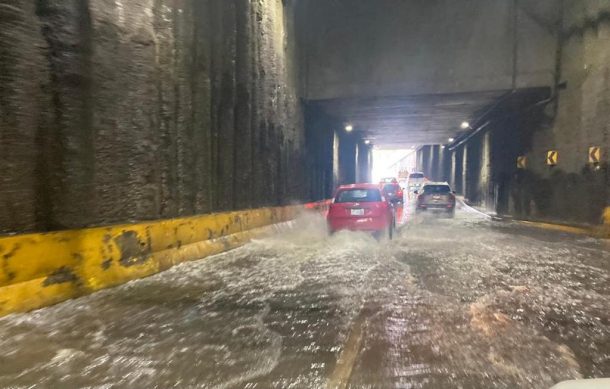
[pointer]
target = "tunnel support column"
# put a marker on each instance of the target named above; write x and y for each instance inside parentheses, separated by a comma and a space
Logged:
(452, 163)
(485, 172)
(445, 163)
(363, 169)
(456, 169)
(472, 170)
(465, 174)
(348, 159)
(431, 165)
(439, 174)
(424, 160)
(322, 151)
(336, 165)
(434, 161)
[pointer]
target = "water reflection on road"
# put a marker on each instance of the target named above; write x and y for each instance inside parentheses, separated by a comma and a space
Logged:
(464, 302)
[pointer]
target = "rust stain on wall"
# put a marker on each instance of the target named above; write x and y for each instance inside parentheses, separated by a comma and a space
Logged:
(134, 251)
(60, 276)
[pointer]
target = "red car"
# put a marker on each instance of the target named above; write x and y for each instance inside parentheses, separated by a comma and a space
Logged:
(392, 192)
(361, 207)
(388, 180)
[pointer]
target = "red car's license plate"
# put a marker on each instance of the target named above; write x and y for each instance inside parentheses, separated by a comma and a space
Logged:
(357, 212)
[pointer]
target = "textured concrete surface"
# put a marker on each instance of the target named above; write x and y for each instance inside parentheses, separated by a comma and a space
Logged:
(24, 115)
(406, 121)
(574, 189)
(323, 138)
(407, 73)
(118, 111)
(363, 48)
(115, 111)
(573, 120)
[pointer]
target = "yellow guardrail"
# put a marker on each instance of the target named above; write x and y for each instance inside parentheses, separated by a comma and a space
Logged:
(605, 228)
(598, 231)
(38, 270)
(606, 216)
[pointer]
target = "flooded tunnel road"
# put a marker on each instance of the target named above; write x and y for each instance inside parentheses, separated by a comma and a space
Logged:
(464, 302)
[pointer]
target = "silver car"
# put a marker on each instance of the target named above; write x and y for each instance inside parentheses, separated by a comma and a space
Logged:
(436, 196)
(415, 181)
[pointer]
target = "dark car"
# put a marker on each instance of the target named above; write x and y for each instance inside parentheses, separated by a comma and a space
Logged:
(436, 196)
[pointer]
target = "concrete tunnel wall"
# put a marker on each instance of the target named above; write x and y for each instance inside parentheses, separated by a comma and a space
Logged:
(579, 119)
(334, 157)
(125, 111)
(484, 169)
(116, 112)
(364, 48)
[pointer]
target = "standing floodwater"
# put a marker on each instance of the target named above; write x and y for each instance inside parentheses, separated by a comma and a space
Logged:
(462, 302)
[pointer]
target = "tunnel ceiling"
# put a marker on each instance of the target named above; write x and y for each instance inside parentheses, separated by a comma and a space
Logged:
(366, 48)
(443, 62)
(404, 121)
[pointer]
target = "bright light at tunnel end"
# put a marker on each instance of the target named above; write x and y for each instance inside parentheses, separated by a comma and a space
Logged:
(451, 140)
(349, 128)
(367, 142)
(465, 125)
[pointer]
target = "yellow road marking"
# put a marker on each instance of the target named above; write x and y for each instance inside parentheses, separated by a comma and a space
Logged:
(340, 377)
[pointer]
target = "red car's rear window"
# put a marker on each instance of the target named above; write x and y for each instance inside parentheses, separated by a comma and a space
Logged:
(358, 196)
(391, 188)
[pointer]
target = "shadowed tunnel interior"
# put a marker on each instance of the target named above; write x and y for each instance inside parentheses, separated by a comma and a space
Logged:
(475, 87)
(115, 112)
(137, 135)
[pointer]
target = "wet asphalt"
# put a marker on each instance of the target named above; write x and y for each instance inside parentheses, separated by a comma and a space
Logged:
(449, 303)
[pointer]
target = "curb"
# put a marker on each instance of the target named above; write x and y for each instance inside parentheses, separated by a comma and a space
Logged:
(600, 231)
(43, 269)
